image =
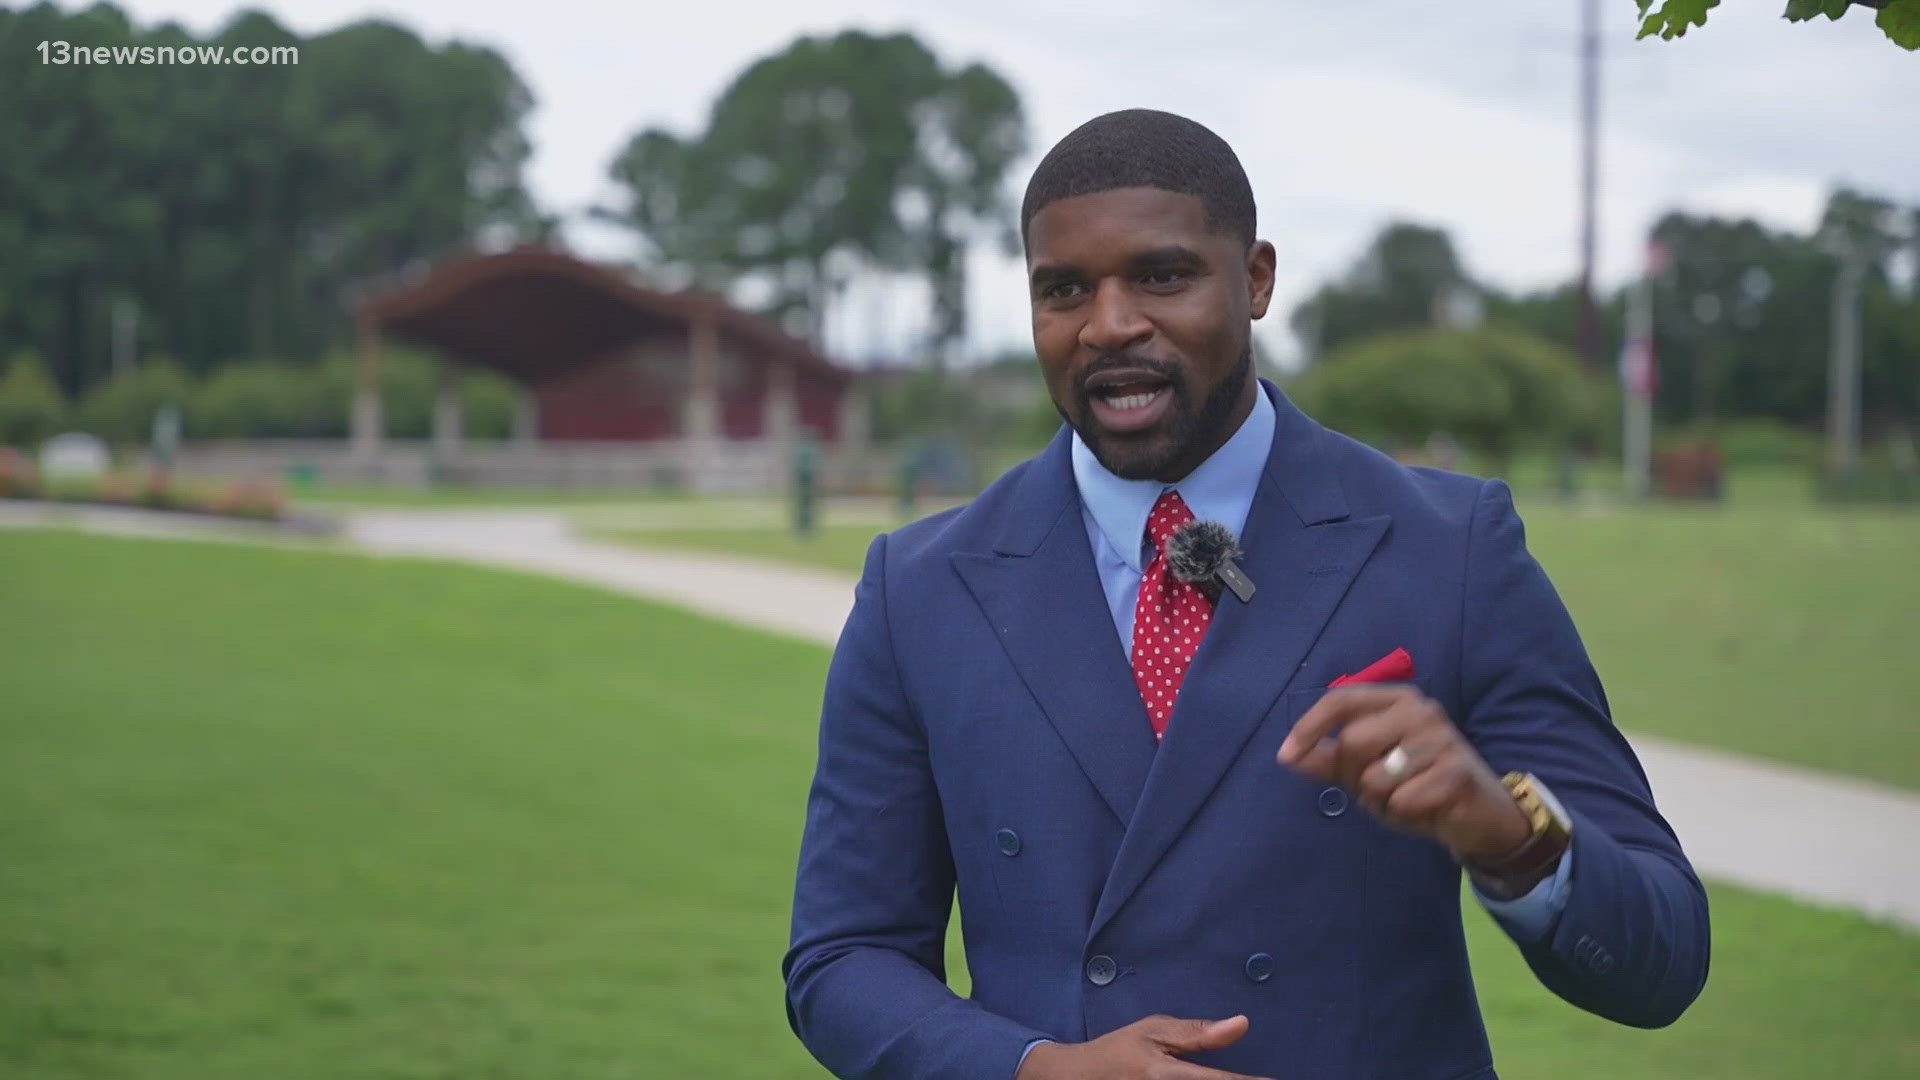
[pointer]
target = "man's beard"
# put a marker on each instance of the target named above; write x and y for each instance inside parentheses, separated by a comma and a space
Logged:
(1183, 431)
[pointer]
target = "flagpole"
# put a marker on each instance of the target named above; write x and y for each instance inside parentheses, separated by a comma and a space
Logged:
(1638, 379)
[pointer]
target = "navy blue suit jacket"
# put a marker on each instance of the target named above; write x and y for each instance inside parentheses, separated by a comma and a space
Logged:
(982, 731)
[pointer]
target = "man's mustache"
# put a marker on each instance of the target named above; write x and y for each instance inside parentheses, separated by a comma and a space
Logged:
(1171, 372)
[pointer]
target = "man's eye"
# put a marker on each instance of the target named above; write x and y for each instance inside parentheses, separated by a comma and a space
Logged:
(1064, 290)
(1163, 278)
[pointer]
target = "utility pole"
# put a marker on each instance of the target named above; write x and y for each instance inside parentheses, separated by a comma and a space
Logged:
(1589, 177)
(126, 323)
(1843, 358)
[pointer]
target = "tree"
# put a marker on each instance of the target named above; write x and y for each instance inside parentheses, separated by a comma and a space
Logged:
(1554, 313)
(831, 153)
(1860, 232)
(1899, 19)
(677, 215)
(1743, 316)
(1492, 389)
(30, 407)
(970, 129)
(1403, 281)
(232, 207)
(1734, 307)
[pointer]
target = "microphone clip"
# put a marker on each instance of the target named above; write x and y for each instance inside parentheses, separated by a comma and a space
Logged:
(1202, 553)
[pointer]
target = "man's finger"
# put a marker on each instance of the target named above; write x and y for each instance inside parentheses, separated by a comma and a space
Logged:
(1369, 738)
(1335, 708)
(1364, 736)
(1193, 1036)
(1421, 798)
(1376, 785)
(1319, 761)
(1333, 757)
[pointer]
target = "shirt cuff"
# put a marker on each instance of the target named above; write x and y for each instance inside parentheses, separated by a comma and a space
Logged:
(1528, 918)
(1024, 1053)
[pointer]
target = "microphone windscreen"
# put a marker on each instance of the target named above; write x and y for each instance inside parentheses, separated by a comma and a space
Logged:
(1196, 550)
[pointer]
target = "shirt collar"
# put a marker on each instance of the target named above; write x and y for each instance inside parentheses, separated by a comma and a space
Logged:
(1220, 489)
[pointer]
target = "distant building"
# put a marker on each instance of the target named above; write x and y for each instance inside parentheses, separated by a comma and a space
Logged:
(716, 396)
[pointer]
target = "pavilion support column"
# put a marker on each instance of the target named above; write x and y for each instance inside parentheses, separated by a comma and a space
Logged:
(856, 421)
(702, 420)
(781, 418)
(447, 416)
(367, 427)
(526, 418)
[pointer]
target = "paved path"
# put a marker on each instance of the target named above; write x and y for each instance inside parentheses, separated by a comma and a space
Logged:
(806, 603)
(1815, 836)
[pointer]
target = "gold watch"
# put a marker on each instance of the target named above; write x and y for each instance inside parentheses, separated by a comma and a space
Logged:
(1552, 833)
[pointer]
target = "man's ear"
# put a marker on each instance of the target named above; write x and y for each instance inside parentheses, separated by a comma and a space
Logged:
(1260, 260)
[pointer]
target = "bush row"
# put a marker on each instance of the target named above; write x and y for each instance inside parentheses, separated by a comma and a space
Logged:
(153, 489)
(249, 400)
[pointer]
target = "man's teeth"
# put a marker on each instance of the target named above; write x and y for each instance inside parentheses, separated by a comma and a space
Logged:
(1132, 401)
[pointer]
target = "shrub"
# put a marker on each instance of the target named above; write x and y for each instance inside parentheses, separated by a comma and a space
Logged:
(31, 408)
(408, 383)
(1492, 389)
(153, 489)
(19, 477)
(269, 400)
(261, 400)
(121, 410)
(489, 401)
(1758, 441)
(247, 498)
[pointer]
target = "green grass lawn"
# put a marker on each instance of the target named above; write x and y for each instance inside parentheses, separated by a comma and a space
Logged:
(376, 496)
(833, 547)
(282, 814)
(1786, 632)
(1767, 627)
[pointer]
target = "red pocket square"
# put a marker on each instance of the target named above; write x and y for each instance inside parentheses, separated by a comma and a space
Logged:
(1396, 666)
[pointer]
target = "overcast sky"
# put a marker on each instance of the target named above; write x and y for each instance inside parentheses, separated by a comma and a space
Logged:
(1345, 115)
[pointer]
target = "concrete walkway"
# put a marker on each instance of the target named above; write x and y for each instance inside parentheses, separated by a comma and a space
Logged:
(1814, 836)
(806, 603)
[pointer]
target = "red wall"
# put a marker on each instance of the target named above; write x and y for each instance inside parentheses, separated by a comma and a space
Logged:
(820, 408)
(628, 398)
(610, 399)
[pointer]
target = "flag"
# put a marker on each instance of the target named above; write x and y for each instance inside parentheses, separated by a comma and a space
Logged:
(1639, 375)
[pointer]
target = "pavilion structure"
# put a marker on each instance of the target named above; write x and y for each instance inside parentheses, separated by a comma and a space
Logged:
(619, 381)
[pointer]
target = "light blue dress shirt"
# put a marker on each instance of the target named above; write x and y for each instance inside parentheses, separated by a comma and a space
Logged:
(1221, 489)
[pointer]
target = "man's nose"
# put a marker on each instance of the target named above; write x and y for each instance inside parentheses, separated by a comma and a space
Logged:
(1114, 322)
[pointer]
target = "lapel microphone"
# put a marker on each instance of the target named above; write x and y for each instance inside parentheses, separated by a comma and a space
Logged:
(1202, 553)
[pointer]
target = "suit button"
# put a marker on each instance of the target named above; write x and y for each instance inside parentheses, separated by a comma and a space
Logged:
(1009, 841)
(1259, 967)
(1333, 802)
(1100, 970)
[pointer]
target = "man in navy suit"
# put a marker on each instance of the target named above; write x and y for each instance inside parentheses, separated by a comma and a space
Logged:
(1195, 831)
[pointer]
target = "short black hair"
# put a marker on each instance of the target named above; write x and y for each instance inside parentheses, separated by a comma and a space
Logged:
(1146, 148)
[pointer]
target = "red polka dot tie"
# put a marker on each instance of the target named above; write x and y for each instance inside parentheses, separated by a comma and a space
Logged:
(1169, 619)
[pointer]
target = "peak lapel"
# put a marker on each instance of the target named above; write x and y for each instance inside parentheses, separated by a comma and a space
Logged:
(1040, 592)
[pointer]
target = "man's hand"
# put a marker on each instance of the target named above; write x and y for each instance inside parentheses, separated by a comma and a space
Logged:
(1444, 789)
(1143, 1050)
